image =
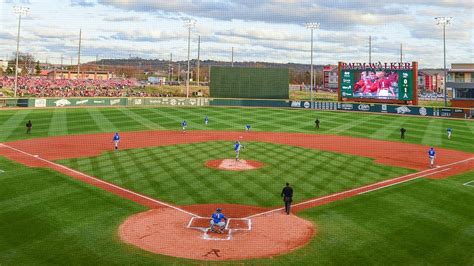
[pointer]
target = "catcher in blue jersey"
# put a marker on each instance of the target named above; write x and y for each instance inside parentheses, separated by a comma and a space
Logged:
(219, 219)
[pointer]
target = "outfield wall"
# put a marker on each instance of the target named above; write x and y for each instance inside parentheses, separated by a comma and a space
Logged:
(197, 102)
(387, 109)
(102, 102)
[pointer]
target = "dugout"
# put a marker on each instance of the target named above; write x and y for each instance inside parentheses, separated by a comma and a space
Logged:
(253, 83)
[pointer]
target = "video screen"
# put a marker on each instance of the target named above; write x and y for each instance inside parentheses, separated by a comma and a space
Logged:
(379, 84)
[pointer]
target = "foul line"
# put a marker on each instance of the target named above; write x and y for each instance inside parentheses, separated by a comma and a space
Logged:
(101, 181)
(467, 183)
(435, 171)
(360, 193)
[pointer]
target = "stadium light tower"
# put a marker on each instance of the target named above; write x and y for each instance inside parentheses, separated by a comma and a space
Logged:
(312, 26)
(20, 10)
(189, 23)
(444, 21)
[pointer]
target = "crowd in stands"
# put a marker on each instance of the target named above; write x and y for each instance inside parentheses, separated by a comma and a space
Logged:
(44, 87)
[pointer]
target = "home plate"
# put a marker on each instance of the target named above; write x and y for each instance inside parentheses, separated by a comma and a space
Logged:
(438, 166)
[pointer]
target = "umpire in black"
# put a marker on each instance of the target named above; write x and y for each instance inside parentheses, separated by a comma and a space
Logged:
(287, 194)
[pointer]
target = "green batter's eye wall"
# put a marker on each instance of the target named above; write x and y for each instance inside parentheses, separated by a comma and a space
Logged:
(256, 83)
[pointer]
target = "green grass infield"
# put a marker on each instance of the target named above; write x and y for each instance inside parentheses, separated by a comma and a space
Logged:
(177, 174)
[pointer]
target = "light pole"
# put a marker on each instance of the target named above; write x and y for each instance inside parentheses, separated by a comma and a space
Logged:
(444, 21)
(312, 26)
(20, 11)
(189, 23)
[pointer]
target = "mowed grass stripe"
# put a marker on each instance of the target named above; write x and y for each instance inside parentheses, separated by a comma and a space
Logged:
(81, 121)
(432, 134)
(58, 125)
(101, 121)
(13, 123)
(167, 118)
(470, 125)
(146, 123)
(384, 131)
(148, 114)
(350, 124)
(28, 199)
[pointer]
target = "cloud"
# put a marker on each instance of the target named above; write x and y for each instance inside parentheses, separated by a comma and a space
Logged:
(147, 35)
(124, 19)
(264, 30)
(48, 33)
(333, 15)
(7, 36)
(432, 31)
(257, 36)
(271, 11)
(83, 3)
(16, 2)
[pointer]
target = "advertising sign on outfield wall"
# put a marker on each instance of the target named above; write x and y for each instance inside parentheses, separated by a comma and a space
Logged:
(76, 102)
(40, 102)
(444, 112)
(177, 101)
(372, 107)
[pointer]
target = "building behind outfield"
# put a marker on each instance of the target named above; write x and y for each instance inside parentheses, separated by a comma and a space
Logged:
(254, 83)
(72, 74)
(330, 77)
(461, 81)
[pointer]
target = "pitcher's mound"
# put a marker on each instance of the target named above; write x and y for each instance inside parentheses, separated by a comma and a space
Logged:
(233, 165)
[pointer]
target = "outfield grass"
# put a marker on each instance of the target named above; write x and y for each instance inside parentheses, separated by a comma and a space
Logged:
(53, 122)
(49, 218)
(177, 173)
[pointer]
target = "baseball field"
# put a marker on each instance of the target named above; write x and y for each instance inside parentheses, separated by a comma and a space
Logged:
(362, 195)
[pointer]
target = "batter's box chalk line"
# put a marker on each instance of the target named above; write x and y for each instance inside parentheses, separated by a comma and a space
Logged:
(205, 230)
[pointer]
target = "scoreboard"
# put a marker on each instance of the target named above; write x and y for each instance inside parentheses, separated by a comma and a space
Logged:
(386, 82)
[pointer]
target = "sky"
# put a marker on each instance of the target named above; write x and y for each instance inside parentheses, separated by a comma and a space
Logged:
(258, 30)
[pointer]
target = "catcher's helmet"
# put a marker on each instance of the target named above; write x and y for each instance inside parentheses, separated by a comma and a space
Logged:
(218, 210)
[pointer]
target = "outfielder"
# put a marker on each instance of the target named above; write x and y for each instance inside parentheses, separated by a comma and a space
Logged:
(184, 124)
(449, 132)
(206, 120)
(216, 219)
(116, 140)
(432, 155)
